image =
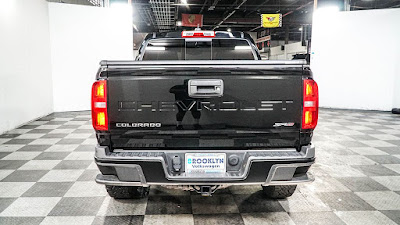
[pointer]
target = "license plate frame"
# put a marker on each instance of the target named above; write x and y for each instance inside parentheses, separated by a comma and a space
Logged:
(205, 163)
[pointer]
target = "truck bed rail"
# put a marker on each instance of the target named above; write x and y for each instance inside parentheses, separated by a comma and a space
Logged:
(202, 62)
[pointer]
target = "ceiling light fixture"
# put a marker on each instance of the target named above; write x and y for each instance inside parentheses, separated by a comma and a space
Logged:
(242, 47)
(7, 8)
(152, 48)
(328, 9)
(118, 5)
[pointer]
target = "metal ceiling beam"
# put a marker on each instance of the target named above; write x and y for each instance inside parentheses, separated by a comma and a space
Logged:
(223, 5)
(253, 11)
(145, 15)
(305, 5)
(250, 24)
(204, 5)
(231, 13)
(164, 14)
(213, 5)
(389, 4)
(253, 20)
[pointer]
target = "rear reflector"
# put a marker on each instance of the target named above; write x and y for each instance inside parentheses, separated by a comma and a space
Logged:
(99, 105)
(310, 104)
(198, 34)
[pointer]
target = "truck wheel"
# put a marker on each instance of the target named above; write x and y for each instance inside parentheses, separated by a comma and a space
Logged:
(121, 192)
(280, 191)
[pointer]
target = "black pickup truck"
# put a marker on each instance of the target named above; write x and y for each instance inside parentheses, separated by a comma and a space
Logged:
(200, 111)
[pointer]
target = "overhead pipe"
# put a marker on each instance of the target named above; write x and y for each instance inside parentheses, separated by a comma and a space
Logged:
(288, 13)
(204, 5)
(212, 7)
(266, 1)
(219, 5)
(230, 14)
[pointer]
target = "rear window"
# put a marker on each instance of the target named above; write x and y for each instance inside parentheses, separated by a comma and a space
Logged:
(211, 49)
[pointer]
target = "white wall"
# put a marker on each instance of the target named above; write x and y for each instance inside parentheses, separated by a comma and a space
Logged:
(396, 98)
(25, 69)
(355, 59)
(81, 36)
(290, 50)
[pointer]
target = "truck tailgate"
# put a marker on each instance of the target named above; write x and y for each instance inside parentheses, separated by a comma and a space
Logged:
(237, 106)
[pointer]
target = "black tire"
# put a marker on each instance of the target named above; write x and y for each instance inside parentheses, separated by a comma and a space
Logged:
(280, 191)
(122, 192)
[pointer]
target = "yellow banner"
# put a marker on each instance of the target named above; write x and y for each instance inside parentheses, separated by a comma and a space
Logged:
(271, 20)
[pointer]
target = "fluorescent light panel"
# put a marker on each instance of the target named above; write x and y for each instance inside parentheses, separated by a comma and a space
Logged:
(328, 9)
(242, 48)
(153, 48)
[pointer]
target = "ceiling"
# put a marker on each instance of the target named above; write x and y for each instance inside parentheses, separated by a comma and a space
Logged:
(99, 3)
(243, 15)
(237, 15)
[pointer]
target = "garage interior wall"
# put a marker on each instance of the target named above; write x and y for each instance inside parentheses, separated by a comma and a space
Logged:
(276, 53)
(355, 59)
(82, 36)
(25, 76)
(50, 53)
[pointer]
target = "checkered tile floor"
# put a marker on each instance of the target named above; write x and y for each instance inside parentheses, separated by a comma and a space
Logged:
(47, 177)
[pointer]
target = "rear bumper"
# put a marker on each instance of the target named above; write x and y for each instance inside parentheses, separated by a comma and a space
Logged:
(144, 168)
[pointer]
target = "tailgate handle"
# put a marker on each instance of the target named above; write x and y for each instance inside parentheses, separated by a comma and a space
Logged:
(205, 88)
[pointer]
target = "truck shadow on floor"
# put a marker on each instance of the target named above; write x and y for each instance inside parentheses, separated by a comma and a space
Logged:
(225, 201)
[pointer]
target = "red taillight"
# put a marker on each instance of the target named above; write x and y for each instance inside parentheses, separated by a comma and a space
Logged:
(99, 105)
(310, 104)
